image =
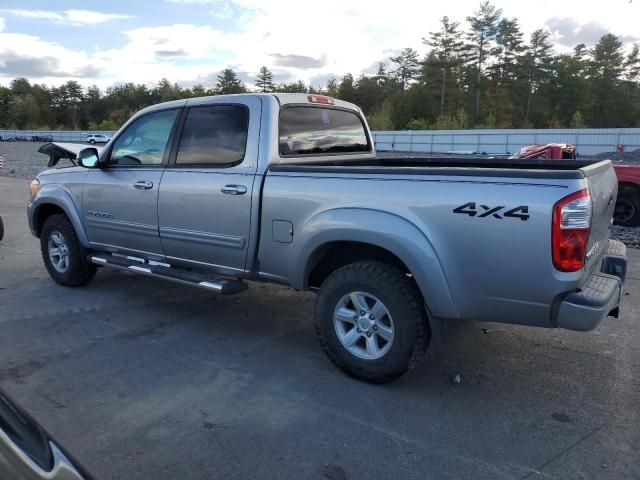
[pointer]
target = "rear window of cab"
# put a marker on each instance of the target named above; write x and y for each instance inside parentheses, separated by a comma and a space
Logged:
(321, 130)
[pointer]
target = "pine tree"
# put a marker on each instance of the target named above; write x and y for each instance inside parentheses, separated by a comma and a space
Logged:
(580, 51)
(483, 30)
(510, 47)
(632, 64)
(295, 87)
(264, 80)
(198, 90)
(228, 82)
(408, 66)
(346, 88)
(381, 75)
(605, 70)
(577, 121)
(632, 69)
(537, 63)
(447, 48)
(564, 90)
(332, 87)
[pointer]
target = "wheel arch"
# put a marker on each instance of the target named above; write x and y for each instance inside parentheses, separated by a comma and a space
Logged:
(51, 201)
(333, 255)
(337, 237)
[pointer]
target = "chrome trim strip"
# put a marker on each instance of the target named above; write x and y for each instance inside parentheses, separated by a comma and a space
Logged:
(153, 263)
(121, 226)
(219, 269)
(139, 269)
(206, 238)
(213, 286)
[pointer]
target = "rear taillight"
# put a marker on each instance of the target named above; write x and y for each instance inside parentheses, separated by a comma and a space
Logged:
(570, 231)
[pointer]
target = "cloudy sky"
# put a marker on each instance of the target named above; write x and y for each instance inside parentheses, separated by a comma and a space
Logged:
(190, 41)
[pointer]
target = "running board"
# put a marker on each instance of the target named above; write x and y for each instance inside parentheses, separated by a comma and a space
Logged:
(155, 269)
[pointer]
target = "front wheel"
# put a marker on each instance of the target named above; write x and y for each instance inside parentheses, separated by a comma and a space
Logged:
(371, 321)
(63, 254)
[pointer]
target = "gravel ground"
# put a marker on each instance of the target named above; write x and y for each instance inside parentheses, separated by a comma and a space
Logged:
(630, 236)
(22, 160)
(623, 157)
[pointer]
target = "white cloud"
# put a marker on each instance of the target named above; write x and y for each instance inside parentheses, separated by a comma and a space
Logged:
(342, 36)
(36, 59)
(1, 24)
(68, 17)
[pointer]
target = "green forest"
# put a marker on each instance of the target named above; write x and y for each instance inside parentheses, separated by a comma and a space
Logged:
(482, 73)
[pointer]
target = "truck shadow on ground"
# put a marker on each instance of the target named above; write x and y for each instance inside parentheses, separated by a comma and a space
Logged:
(270, 328)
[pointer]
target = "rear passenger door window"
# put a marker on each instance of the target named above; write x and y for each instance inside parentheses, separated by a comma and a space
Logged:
(214, 136)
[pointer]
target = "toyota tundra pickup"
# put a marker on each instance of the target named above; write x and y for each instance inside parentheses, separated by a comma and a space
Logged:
(287, 188)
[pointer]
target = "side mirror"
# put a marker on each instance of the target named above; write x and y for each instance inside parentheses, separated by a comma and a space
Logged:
(88, 157)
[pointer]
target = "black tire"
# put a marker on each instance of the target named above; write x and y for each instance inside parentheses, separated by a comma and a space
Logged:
(403, 301)
(78, 271)
(1, 229)
(92, 141)
(627, 210)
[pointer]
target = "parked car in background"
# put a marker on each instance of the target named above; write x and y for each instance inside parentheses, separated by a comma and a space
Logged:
(627, 211)
(94, 138)
(628, 204)
(288, 189)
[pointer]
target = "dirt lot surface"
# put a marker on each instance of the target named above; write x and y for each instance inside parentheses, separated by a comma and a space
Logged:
(145, 379)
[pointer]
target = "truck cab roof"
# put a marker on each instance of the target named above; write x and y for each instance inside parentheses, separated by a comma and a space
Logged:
(280, 98)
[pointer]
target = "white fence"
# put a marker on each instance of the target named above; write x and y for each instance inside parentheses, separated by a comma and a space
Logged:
(55, 135)
(588, 141)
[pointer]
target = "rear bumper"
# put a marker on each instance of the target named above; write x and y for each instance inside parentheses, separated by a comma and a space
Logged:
(599, 297)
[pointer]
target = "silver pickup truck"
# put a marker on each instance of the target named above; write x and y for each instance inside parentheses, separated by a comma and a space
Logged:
(288, 189)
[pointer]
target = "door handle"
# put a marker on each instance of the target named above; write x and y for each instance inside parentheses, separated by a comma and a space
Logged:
(234, 189)
(143, 185)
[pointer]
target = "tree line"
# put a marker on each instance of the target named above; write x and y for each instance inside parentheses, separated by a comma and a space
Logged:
(483, 74)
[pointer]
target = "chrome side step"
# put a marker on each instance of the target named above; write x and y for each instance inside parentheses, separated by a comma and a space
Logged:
(224, 286)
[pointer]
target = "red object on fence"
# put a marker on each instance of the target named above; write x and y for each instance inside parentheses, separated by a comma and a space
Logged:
(620, 148)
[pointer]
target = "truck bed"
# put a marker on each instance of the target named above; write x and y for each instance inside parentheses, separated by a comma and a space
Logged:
(423, 198)
(452, 165)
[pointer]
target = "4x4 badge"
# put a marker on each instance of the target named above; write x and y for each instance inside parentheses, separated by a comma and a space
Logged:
(521, 212)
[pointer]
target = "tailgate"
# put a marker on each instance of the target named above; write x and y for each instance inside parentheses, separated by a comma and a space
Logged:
(603, 188)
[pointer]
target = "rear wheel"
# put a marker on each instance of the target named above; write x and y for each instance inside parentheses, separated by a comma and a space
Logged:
(371, 322)
(63, 254)
(627, 211)
(1, 229)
